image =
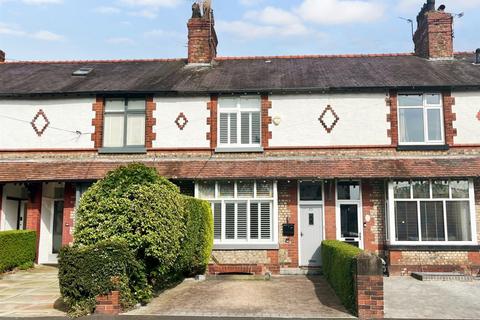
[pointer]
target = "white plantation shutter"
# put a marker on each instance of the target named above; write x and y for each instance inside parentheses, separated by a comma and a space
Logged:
(245, 128)
(230, 221)
(242, 220)
(256, 127)
(217, 220)
(254, 220)
(265, 214)
(224, 128)
(233, 128)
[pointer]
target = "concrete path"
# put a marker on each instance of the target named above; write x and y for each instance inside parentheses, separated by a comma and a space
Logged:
(407, 298)
(282, 297)
(30, 293)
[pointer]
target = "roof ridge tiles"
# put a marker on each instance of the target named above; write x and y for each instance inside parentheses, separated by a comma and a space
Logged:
(94, 61)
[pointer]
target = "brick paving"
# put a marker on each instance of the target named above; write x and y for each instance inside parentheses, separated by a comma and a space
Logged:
(281, 297)
(31, 293)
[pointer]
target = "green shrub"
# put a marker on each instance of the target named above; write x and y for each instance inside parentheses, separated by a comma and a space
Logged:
(86, 272)
(198, 242)
(17, 248)
(339, 267)
(135, 204)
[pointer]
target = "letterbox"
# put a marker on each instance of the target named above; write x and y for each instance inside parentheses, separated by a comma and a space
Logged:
(288, 230)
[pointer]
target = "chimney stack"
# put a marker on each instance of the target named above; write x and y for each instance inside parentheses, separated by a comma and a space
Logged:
(477, 56)
(2, 56)
(434, 36)
(202, 38)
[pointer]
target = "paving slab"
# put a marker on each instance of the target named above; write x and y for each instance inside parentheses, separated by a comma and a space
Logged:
(30, 293)
(280, 297)
(408, 298)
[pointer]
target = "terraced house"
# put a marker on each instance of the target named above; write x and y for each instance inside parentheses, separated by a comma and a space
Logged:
(381, 151)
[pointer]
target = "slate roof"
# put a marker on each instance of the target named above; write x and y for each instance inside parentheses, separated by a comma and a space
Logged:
(324, 168)
(248, 74)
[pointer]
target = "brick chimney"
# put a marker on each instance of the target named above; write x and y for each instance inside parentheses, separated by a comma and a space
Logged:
(434, 36)
(2, 56)
(202, 38)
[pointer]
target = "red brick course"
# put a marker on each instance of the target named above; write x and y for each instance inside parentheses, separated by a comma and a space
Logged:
(68, 211)
(392, 117)
(288, 193)
(212, 106)
(256, 269)
(330, 211)
(99, 108)
(449, 117)
(373, 205)
(266, 121)
(34, 210)
(108, 304)
(150, 122)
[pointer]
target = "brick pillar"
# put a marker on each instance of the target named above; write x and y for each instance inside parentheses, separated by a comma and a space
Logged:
(369, 287)
(34, 210)
(330, 211)
(212, 106)
(373, 205)
(108, 304)
(68, 213)
(288, 210)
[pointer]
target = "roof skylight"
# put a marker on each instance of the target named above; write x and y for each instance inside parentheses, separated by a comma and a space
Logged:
(82, 71)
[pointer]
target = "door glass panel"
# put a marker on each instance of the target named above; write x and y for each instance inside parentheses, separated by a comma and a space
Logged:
(349, 220)
(57, 226)
(311, 191)
(348, 190)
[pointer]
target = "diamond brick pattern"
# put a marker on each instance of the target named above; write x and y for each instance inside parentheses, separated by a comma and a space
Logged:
(329, 119)
(181, 121)
(40, 123)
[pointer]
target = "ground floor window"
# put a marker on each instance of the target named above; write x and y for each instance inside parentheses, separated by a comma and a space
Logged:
(432, 211)
(243, 210)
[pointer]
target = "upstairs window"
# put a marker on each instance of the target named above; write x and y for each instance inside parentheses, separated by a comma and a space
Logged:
(420, 119)
(239, 122)
(124, 126)
(436, 211)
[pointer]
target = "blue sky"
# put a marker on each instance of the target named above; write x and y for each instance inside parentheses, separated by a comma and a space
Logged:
(130, 29)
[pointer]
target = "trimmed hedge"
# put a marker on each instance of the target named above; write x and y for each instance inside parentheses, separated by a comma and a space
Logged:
(198, 243)
(17, 249)
(137, 205)
(86, 272)
(339, 267)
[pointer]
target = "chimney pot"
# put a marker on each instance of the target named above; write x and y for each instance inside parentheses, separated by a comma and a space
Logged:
(442, 8)
(477, 56)
(2, 56)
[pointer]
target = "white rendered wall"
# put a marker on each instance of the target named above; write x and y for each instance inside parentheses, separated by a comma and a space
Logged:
(193, 135)
(467, 107)
(65, 116)
(9, 209)
(363, 120)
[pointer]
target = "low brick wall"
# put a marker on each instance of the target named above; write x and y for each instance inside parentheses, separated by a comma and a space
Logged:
(369, 287)
(108, 304)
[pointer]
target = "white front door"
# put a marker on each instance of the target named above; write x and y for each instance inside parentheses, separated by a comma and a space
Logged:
(311, 235)
(50, 231)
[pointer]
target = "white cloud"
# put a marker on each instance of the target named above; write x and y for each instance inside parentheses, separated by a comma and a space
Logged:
(46, 36)
(107, 10)
(121, 41)
(152, 3)
(250, 2)
(10, 30)
(248, 30)
(332, 12)
(274, 16)
(40, 2)
(149, 14)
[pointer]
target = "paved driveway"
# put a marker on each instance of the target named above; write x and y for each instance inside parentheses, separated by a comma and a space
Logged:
(288, 296)
(408, 298)
(30, 293)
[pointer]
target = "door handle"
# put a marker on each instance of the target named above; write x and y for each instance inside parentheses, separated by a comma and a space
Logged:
(301, 234)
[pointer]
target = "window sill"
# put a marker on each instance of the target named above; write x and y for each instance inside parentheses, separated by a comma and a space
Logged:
(422, 247)
(426, 147)
(245, 246)
(122, 150)
(238, 149)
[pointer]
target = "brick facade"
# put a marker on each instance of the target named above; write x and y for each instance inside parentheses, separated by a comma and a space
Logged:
(330, 211)
(202, 39)
(34, 210)
(392, 117)
(266, 120)
(99, 108)
(150, 122)
(68, 214)
(449, 117)
(373, 206)
(434, 36)
(212, 106)
(288, 212)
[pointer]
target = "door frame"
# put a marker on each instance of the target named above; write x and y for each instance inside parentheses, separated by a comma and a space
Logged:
(359, 203)
(315, 204)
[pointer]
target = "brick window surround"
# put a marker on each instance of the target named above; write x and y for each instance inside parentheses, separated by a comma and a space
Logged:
(99, 108)
(448, 101)
(212, 121)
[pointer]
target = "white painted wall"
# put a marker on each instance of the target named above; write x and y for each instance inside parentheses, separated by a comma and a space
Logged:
(9, 209)
(362, 120)
(467, 106)
(16, 132)
(193, 135)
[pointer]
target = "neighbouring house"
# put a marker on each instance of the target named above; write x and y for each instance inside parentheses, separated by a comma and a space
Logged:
(381, 151)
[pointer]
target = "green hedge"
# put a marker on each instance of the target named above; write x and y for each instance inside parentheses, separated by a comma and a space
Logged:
(197, 245)
(339, 267)
(86, 272)
(17, 249)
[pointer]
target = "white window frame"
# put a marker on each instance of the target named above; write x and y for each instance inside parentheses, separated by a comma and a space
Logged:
(338, 217)
(238, 110)
(425, 108)
(391, 216)
(248, 243)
